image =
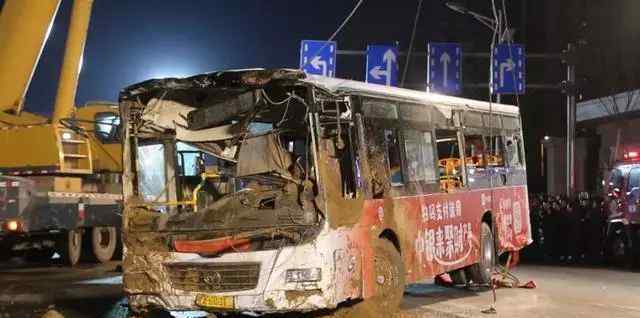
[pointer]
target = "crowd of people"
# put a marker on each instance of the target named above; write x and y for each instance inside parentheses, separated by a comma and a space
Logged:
(567, 230)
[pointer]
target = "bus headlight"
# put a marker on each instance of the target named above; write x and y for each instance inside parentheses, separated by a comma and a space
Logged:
(297, 275)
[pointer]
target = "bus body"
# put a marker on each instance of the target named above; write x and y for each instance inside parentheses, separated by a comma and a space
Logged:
(305, 192)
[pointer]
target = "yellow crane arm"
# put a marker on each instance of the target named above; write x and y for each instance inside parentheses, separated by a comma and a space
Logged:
(72, 64)
(24, 28)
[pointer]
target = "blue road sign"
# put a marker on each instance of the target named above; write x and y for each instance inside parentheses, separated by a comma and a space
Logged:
(318, 57)
(509, 69)
(382, 65)
(444, 68)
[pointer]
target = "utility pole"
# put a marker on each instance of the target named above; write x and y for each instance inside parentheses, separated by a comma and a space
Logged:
(570, 90)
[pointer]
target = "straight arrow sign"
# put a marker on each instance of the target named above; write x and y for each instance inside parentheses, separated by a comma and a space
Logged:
(445, 59)
(444, 68)
(390, 58)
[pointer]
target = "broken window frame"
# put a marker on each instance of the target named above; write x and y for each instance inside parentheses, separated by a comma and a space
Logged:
(401, 117)
(426, 152)
(113, 135)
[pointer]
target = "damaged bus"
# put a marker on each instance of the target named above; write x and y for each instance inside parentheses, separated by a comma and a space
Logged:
(263, 191)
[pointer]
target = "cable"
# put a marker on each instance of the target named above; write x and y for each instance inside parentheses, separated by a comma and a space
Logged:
(346, 20)
(492, 138)
(413, 35)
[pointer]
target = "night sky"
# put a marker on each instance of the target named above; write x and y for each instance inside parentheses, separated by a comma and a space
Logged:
(131, 41)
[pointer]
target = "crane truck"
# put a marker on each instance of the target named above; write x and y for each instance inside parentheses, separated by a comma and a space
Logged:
(60, 177)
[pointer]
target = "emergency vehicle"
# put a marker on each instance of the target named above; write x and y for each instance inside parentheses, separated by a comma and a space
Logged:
(622, 204)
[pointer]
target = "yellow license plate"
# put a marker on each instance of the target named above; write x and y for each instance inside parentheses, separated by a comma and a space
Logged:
(210, 301)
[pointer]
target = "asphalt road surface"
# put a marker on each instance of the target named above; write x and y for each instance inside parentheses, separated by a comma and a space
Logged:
(31, 290)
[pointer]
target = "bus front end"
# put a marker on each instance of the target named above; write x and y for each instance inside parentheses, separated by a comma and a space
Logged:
(222, 198)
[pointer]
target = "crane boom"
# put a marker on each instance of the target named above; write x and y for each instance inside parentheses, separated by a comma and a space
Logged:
(72, 64)
(24, 28)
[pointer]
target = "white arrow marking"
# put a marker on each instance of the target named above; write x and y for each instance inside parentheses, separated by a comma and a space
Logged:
(390, 58)
(318, 63)
(445, 59)
(377, 72)
(506, 66)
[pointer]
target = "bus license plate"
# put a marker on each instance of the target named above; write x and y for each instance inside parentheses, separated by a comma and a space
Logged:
(210, 301)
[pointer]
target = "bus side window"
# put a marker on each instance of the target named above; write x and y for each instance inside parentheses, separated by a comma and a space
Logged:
(449, 160)
(420, 161)
(495, 151)
(475, 151)
(514, 151)
(392, 143)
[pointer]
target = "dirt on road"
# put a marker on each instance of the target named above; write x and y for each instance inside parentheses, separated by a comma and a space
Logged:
(92, 290)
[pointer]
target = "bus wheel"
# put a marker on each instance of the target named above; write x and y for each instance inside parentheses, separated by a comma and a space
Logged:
(103, 242)
(389, 275)
(458, 277)
(480, 273)
(389, 284)
(70, 247)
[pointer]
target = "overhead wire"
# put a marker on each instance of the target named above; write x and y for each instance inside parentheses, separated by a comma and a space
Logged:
(413, 36)
(493, 143)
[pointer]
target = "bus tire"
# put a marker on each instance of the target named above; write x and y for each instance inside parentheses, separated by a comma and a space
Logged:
(458, 277)
(389, 274)
(104, 240)
(480, 273)
(69, 247)
(389, 284)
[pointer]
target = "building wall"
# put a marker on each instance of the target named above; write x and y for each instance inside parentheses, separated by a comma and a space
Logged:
(556, 165)
(629, 134)
(595, 155)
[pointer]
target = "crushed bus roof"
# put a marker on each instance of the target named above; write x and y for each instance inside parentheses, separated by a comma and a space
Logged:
(232, 80)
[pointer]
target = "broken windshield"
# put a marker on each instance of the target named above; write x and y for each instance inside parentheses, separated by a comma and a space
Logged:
(188, 158)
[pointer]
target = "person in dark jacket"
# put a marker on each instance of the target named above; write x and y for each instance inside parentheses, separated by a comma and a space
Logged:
(595, 225)
(549, 221)
(572, 228)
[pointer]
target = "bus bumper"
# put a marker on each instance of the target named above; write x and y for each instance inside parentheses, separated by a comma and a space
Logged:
(151, 280)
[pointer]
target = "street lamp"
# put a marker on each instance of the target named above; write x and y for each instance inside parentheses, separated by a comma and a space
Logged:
(457, 7)
(494, 25)
(461, 8)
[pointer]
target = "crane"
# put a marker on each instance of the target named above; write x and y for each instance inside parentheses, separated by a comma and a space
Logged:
(59, 176)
